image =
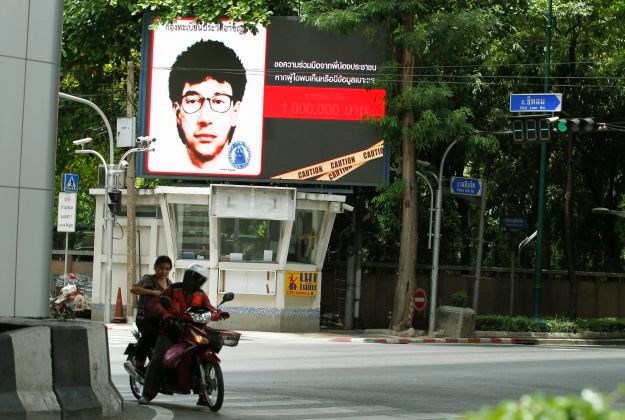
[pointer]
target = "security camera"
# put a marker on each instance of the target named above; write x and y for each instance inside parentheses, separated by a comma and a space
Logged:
(82, 142)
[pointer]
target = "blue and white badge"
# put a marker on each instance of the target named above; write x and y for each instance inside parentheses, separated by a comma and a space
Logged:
(239, 154)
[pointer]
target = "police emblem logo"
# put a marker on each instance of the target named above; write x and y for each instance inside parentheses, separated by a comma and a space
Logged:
(239, 154)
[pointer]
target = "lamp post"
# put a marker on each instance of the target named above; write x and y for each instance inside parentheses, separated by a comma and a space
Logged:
(108, 181)
(437, 235)
(111, 171)
(604, 210)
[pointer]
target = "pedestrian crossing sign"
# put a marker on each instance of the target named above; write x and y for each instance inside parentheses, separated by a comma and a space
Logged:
(70, 183)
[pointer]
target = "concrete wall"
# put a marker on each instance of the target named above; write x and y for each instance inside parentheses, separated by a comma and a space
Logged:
(30, 60)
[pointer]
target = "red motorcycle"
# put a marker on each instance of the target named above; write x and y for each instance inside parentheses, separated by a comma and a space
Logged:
(191, 364)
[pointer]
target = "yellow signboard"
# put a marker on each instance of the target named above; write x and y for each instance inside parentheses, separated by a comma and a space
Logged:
(304, 283)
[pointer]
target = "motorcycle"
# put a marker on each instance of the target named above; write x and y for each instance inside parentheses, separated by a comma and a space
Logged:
(191, 364)
(64, 304)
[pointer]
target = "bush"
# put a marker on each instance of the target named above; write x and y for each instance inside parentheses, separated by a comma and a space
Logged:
(604, 324)
(555, 324)
(590, 405)
(507, 323)
(460, 299)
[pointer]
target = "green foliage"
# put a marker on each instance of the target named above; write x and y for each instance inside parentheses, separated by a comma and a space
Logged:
(602, 324)
(555, 325)
(385, 208)
(589, 405)
(460, 299)
(250, 12)
(468, 58)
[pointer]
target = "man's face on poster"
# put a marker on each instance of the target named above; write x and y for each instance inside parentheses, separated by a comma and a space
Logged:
(205, 115)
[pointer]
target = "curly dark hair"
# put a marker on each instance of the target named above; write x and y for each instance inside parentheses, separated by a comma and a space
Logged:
(207, 59)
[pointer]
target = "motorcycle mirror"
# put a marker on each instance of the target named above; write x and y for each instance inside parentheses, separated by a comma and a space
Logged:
(227, 297)
(165, 301)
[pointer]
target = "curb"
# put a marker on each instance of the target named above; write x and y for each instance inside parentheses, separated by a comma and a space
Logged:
(482, 340)
(426, 340)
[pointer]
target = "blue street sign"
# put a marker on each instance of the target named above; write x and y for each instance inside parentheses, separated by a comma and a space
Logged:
(532, 102)
(514, 222)
(70, 183)
(466, 186)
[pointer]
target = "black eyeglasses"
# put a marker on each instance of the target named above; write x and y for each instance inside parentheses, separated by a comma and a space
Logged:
(193, 102)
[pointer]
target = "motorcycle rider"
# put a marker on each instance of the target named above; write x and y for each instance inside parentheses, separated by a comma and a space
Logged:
(147, 288)
(183, 295)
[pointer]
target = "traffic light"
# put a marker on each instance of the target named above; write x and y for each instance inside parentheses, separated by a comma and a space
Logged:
(576, 125)
(115, 201)
(530, 128)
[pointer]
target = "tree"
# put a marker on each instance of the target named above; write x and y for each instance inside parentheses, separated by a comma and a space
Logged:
(420, 108)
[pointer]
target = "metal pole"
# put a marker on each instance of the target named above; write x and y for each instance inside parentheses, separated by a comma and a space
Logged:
(431, 207)
(66, 252)
(480, 243)
(437, 233)
(541, 182)
(110, 181)
(512, 258)
(99, 111)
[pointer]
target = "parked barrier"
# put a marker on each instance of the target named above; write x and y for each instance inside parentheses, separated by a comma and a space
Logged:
(59, 369)
(26, 379)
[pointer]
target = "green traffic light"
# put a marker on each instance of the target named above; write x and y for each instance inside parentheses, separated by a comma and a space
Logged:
(561, 126)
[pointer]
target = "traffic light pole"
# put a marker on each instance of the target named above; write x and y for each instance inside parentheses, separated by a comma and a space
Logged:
(541, 181)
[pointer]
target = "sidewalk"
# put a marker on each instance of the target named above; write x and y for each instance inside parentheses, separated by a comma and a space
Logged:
(384, 336)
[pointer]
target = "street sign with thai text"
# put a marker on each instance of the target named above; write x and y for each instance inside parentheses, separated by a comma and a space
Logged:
(66, 218)
(514, 222)
(466, 186)
(532, 102)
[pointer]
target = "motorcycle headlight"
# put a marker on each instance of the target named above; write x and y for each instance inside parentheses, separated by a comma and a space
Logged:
(201, 317)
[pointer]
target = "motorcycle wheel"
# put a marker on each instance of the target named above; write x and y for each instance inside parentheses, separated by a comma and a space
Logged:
(212, 384)
(135, 386)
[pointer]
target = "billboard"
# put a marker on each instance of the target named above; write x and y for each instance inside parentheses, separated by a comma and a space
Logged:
(284, 105)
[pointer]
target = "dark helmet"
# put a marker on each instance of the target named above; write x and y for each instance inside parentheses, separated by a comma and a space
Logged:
(194, 277)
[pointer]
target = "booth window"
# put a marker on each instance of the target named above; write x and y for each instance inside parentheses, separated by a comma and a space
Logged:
(249, 240)
(304, 240)
(191, 224)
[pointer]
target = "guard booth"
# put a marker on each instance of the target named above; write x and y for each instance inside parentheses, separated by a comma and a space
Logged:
(265, 244)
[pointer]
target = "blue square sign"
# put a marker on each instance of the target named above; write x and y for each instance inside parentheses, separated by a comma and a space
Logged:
(70, 183)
